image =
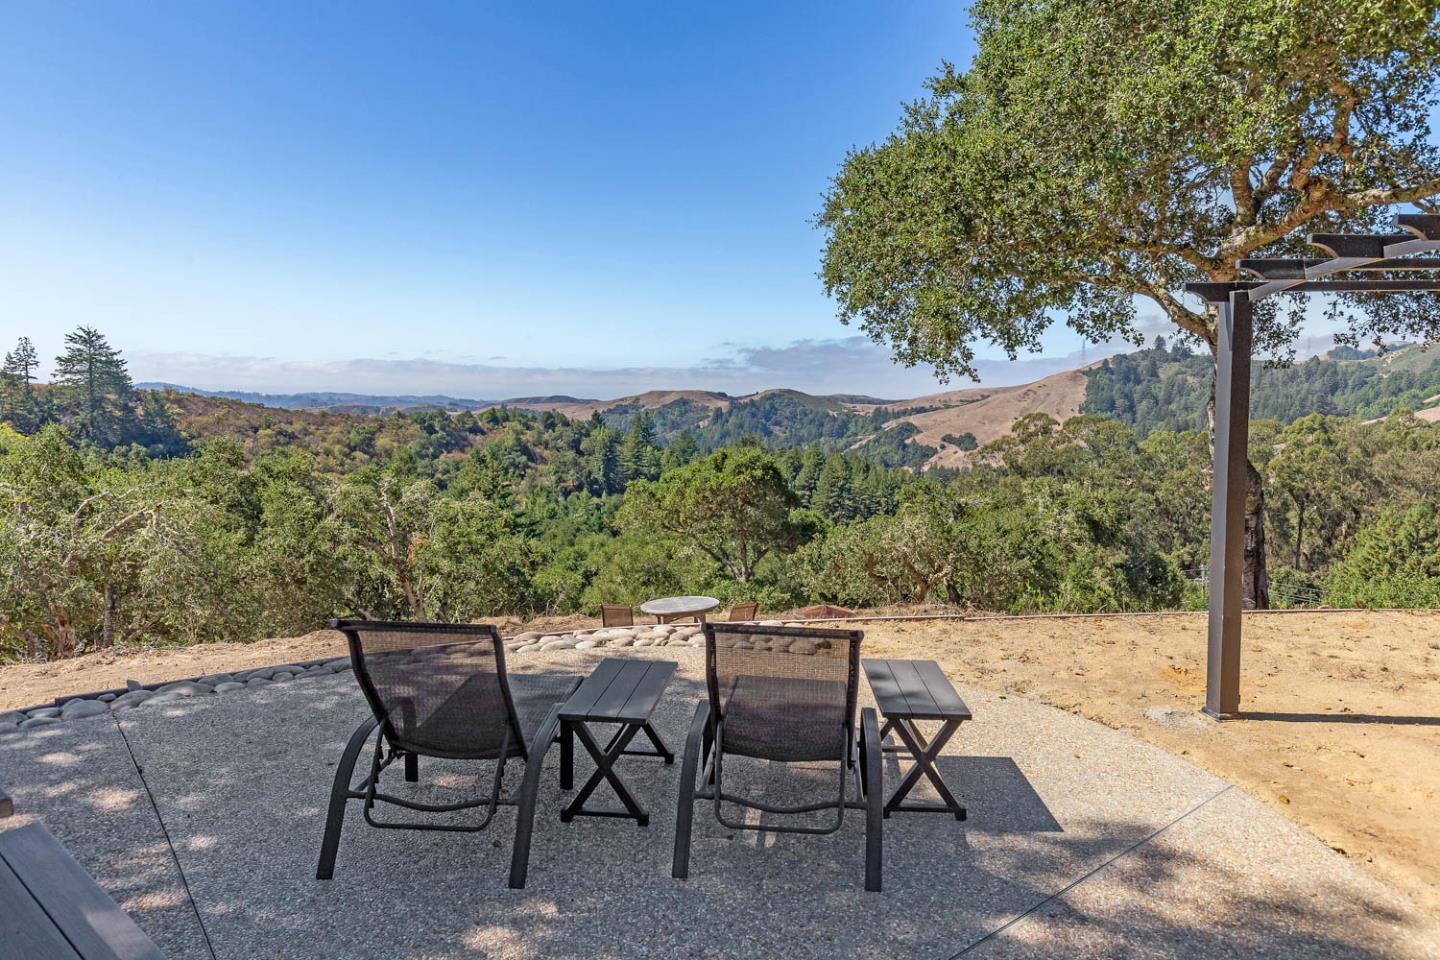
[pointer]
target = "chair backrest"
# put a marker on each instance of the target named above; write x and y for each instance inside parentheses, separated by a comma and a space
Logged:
(743, 611)
(783, 693)
(616, 615)
(436, 688)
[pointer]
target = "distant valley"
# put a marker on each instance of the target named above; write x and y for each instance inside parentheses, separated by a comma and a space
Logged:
(1161, 387)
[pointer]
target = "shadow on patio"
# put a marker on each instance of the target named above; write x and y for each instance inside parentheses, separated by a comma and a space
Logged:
(1080, 842)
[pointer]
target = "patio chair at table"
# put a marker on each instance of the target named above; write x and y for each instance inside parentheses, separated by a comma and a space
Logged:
(442, 690)
(617, 615)
(786, 695)
(742, 612)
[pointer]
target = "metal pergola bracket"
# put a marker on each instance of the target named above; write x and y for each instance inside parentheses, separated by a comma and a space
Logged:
(1234, 300)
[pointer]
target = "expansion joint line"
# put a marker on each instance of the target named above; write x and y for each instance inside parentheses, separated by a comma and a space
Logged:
(1079, 880)
(209, 946)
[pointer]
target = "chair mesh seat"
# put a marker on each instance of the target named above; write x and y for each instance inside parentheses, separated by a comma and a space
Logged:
(783, 694)
(442, 689)
(789, 719)
(534, 694)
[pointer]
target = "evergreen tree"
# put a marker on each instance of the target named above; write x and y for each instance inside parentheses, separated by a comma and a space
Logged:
(18, 403)
(602, 461)
(833, 495)
(97, 386)
(640, 456)
(681, 451)
(21, 362)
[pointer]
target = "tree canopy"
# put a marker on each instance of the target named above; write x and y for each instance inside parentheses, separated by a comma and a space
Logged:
(733, 506)
(1093, 153)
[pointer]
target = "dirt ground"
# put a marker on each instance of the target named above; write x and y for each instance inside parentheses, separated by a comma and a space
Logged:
(1350, 748)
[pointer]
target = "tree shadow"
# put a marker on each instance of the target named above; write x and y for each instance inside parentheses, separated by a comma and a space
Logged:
(241, 781)
(1338, 718)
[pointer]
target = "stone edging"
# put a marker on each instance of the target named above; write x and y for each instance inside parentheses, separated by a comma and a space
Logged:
(135, 694)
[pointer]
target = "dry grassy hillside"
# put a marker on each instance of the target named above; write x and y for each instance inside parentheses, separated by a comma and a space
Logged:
(988, 412)
(649, 400)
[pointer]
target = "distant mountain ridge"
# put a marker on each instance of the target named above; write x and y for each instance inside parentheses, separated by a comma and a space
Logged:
(1157, 388)
(331, 402)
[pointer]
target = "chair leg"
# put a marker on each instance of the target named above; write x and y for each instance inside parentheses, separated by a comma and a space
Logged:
(412, 768)
(685, 807)
(873, 779)
(567, 756)
(709, 746)
(529, 790)
(339, 794)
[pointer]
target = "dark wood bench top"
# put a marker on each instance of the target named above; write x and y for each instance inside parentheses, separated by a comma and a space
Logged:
(51, 909)
(619, 691)
(914, 690)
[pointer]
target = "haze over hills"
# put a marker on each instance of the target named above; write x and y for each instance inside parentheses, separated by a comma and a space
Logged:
(331, 402)
(1156, 388)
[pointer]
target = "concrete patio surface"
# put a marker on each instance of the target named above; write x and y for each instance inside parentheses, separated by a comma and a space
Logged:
(1081, 842)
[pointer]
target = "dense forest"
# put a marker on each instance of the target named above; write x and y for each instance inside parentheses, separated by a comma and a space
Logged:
(1167, 388)
(134, 516)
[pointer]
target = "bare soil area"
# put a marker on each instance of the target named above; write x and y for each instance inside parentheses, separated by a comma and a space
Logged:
(1349, 746)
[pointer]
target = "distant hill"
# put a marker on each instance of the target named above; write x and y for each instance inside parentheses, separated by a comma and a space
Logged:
(356, 403)
(1159, 388)
(986, 413)
(1167, 388)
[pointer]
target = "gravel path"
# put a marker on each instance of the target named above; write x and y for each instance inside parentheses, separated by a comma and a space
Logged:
(1081, 842)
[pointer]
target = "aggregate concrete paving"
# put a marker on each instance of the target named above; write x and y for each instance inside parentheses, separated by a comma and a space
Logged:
(1081, 842)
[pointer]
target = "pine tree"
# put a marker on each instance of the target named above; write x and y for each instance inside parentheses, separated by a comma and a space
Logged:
(640, 456)
(833, 495)
(19, 405)
(681, 451)
(92, 374)
(21, 362)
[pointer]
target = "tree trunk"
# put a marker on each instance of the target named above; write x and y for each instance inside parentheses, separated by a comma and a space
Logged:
(1299, 532)
(1254, 580)
(107, 624)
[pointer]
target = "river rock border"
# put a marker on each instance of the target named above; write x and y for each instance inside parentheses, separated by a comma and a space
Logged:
(135, 694)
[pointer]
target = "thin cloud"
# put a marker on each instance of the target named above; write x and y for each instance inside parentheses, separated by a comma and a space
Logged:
(850, 365)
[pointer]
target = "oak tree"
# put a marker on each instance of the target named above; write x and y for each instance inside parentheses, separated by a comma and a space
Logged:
(1098, 154)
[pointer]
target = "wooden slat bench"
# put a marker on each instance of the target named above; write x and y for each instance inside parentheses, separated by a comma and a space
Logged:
(623, 692)
(907, 691)
(51, 909)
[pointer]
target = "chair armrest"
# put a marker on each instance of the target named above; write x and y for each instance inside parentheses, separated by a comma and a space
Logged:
(870, 739)
(698, 724)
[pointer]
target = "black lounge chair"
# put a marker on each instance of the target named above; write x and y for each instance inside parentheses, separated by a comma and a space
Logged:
(441, 690)
(783, 694)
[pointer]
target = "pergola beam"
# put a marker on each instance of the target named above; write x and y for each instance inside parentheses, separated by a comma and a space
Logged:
(1234, 302)
(1295, 269)
(1228, 489)
(1219, 292)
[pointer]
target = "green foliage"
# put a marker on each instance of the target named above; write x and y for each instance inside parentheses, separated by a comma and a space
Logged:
(965, 441)
(92, 395)
(1168, 388)
(1395, 562)
(786, 419)
(268, 522)
(733, 507)
(1093, 153)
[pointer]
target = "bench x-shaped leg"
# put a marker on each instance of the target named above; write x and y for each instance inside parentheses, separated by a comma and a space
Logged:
(605, 772)
(924, 755)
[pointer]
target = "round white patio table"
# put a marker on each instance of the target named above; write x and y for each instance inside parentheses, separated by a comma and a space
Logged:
(667, 609)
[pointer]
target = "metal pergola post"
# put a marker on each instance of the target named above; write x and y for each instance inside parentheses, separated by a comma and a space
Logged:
(1387, 263)
(1227, 509)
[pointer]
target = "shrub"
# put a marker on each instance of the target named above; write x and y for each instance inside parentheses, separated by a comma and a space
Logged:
(1395, 562)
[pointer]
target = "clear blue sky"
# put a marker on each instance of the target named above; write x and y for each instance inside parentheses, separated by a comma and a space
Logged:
(482, 199)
